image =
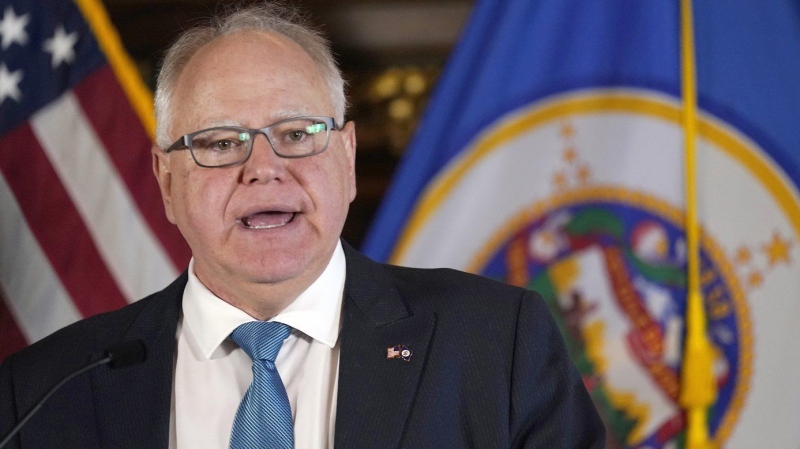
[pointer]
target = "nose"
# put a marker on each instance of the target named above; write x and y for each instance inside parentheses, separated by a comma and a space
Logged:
(263, 165)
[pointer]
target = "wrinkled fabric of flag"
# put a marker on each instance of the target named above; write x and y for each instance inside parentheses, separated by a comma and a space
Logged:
(82, 230)
(551, 157)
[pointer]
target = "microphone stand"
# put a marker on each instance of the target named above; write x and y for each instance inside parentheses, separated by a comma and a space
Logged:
(124, 354)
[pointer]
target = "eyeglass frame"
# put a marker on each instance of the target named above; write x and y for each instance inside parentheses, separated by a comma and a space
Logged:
(185, 140)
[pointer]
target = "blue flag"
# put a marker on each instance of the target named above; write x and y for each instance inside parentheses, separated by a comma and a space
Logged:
(551, 157)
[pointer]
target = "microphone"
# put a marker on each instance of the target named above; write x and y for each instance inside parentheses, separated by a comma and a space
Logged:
(121, 355)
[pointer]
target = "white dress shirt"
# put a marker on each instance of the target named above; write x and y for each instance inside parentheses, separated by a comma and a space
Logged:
(212, 373)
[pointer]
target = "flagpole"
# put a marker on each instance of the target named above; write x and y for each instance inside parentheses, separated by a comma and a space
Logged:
(698, 390)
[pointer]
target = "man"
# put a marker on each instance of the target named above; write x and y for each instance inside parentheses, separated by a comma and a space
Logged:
(257, 169)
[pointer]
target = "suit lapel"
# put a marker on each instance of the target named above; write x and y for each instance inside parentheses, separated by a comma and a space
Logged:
(133, 404)
(375, 394)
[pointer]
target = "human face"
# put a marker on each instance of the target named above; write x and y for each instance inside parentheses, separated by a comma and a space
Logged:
(269, 222)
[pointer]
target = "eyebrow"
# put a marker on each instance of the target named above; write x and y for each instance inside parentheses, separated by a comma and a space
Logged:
(289, 113)
(276, 116)
(218, 123)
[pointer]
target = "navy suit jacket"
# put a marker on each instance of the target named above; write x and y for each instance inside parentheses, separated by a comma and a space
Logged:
(489, 370)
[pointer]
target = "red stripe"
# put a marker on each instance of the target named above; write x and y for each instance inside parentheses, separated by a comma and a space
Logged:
(10, 335)
(56, 223)
(106, 107)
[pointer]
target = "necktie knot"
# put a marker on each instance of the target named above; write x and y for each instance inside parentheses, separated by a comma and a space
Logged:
(261, 340)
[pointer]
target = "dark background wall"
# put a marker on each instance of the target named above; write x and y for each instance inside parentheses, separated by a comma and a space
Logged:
(391, 53)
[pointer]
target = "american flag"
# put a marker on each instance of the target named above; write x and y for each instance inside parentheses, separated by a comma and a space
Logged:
(82, 226)
(393, 352)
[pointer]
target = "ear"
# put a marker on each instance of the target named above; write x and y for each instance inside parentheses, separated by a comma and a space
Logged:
(348, 133)
(164, 178)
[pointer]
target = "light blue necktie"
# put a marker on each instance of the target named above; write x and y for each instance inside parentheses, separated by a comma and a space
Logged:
(264, 418)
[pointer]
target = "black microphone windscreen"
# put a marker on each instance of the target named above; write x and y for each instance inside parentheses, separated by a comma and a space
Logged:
(126, 353)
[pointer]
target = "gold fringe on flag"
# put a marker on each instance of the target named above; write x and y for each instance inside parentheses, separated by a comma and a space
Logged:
(139, 95)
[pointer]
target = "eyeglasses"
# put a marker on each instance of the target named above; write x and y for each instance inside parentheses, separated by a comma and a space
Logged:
(223, 146)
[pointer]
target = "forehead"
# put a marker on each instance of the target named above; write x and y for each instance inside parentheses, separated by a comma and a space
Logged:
(250, 78)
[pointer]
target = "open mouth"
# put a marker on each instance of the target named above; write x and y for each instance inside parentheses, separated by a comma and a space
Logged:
(267, 220)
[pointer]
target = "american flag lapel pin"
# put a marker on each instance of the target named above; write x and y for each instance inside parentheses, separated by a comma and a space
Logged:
(399, 352)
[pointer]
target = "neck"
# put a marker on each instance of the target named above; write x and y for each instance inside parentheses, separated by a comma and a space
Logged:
(260, 300)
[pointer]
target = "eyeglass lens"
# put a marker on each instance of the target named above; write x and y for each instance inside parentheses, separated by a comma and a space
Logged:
(291, 138)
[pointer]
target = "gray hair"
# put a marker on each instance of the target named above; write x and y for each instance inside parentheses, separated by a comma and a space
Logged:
(272, 18)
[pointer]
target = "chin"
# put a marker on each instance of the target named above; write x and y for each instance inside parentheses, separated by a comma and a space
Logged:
(273, 267)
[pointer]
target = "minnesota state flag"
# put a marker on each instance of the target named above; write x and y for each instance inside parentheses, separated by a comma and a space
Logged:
(552, 157)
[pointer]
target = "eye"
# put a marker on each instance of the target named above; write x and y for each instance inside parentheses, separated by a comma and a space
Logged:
(225, 145)
(296, 135)
(221, 140)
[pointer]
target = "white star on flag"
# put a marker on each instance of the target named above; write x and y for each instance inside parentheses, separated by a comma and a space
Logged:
(60, 46)
(9, 84)
(12, 28)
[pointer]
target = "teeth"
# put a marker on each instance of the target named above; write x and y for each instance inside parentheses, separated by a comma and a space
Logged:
(246, 222)
(263, 226)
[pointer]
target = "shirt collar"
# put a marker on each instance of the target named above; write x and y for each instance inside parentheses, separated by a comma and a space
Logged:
(316, 312)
